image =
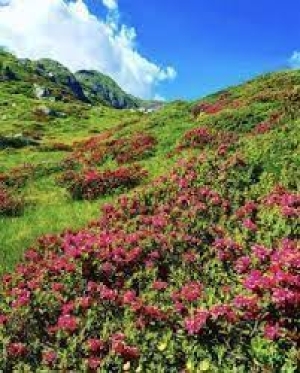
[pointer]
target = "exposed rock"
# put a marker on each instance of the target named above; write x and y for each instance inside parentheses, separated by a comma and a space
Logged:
(46, 111)
(41, 92)
(17, 141)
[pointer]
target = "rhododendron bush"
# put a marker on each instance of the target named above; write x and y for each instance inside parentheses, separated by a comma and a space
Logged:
(96, 150)
(197, 272)
(91, 184)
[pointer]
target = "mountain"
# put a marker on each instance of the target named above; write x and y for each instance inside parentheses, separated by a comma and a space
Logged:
(101, 88)
(165, 241)
(46, 78)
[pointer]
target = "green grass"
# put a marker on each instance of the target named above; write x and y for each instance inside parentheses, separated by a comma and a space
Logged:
(49, 208)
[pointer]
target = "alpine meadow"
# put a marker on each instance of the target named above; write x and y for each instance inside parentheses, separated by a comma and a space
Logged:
(145, 235)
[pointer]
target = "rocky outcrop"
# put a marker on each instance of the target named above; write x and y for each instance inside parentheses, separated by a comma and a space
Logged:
(18, 141)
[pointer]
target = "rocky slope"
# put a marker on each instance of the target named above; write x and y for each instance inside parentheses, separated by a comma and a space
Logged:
(46, 78)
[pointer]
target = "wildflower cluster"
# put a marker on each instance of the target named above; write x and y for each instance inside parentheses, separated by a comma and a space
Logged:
(168, 271)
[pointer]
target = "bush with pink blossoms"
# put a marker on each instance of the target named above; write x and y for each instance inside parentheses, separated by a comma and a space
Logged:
(166, 277)
(92, 184)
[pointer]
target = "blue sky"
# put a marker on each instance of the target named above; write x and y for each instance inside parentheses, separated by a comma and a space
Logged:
(168, 48)
(215, 43)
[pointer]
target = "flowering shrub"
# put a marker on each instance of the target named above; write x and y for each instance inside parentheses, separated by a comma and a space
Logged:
(267, 125)
(136, 148)
(287, 202)
(91, 184)
(9, 205)
(124, 150)
(18, 176)
(167, 273)
(212, 107)
(198, 137)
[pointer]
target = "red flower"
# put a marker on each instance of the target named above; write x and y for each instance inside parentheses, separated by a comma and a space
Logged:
(95, 345)
(3, 320)
(127, 352)
(17, 349)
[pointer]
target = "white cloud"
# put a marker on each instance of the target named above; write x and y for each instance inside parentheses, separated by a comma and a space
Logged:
(295, 60)
(110, 4)
(158, 97)
(71, 34)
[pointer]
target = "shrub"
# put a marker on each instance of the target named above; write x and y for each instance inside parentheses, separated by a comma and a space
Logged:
(17, 177)
(165, 278)
(56, 147)
(92, 184)
(126, 150)
(222, 101)
(198, 137)
(9, 205)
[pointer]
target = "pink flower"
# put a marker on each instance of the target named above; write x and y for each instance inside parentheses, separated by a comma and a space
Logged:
(190, 292)
(261, 252)
(271, 332)
(108, 294)
(85, 302)
(254, 281)
(94, 363)
(227, 249)
(283, 296)
(245, 302)
(67, 323)
(22, 300)
(67, 308)
(242, 264)
(223, 311)
(95, 345)
(248, 224)
(159, 285)
(194, 324)
(189, 257)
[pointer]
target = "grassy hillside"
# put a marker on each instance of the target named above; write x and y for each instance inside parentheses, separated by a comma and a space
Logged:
(192, 263)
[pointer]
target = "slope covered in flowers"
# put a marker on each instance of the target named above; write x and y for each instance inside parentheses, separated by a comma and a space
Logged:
(197, 271)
